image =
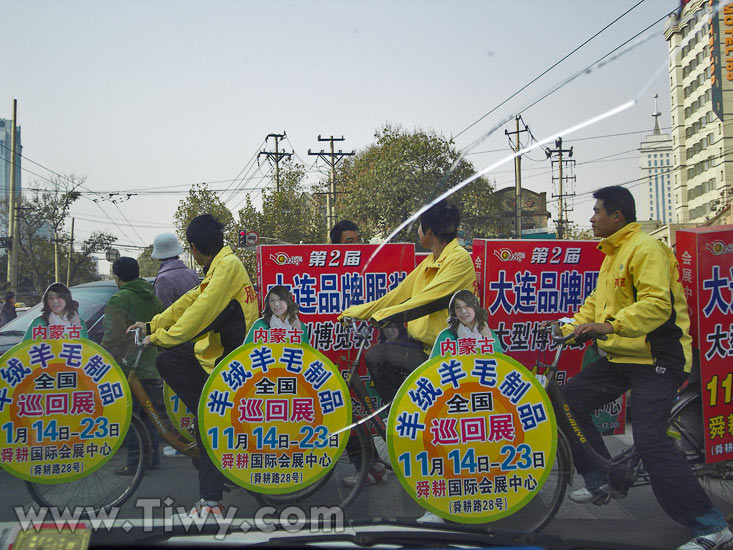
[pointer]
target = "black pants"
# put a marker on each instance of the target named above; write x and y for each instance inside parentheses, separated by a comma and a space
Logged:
(653, 390)
(389, 364)
(183, 373)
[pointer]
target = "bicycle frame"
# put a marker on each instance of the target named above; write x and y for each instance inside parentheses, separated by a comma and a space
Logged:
(172, 438)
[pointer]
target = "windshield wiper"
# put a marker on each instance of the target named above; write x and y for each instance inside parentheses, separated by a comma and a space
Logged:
(12, 333)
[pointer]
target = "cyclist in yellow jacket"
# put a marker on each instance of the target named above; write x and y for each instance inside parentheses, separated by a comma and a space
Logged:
(640, 304)
(201, 328)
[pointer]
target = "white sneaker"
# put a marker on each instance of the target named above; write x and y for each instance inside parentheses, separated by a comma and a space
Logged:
(170, 452)
(429, 517)
(708, 542)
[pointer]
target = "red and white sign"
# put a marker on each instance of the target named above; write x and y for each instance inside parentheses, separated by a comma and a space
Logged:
(524, 282)
(325, 279)
(705, 256)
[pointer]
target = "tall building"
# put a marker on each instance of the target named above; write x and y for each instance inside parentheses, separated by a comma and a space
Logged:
(701, 84)
(5, 164)
(655, 192)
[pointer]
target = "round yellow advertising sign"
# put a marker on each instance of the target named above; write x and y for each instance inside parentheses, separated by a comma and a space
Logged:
(270, 414)
(472, 437)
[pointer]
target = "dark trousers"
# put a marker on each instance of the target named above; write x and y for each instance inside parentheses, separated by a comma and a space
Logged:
(389, 364)
(154, 389)
(183, 373)
(653, 390)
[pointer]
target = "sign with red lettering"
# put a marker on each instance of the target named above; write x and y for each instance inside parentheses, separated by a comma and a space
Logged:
(525, 282)
(706, 269)
(325, 279)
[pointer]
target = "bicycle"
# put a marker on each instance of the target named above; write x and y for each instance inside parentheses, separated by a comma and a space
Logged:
(625, 470)
(103, 489)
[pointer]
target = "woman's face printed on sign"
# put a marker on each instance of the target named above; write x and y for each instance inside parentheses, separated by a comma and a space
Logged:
(278, 305)
(465, 313)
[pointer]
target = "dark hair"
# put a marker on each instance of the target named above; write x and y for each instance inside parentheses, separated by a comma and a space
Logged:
(443, 219)
(10, 295)
(401, 330)
(340, 227)
(126, 268)
(206, 233)
(469, 298)
(284, 293)
(63, 291)
(615, 198)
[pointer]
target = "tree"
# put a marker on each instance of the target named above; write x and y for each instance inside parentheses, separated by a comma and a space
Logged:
(388, 181)
(148, 266)
(290, 215)
(201, 200)
(41, 219)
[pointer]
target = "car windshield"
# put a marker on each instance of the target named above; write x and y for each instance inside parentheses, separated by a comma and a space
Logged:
(363, 217)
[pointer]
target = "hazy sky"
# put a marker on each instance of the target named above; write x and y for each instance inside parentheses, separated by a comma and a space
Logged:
(151, 97)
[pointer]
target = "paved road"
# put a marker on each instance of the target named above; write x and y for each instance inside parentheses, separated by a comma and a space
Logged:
(637, 518)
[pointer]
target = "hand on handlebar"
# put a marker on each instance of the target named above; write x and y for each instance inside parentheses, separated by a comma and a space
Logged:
(140, 330)
(593, 330)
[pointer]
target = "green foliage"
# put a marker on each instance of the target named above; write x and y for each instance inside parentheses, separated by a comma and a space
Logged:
(290, 215)
(388, 181)
(148, 266)
(201, 200)
(42, 216)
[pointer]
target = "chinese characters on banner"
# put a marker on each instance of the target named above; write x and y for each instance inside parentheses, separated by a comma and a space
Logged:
(65, 407)
(472, 437)
(705, 256)
(525, 282)
(270, 414)
(326, 279)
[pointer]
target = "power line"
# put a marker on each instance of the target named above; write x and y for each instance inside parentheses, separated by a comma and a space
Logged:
(548, 69)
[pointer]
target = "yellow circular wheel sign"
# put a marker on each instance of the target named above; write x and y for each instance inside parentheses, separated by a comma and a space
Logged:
(270, 414)
(472, 437)
(178, 413)
(65, 408)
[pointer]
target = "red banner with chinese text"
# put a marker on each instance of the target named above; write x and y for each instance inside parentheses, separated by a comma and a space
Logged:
(525, 282)
(325, 279)
(706, 263)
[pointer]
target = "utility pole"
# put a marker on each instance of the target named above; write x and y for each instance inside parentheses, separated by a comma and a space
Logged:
(517, 179)
(13, 209)
(71, 253)
(333, 160)
(277, 155)
(561, 179)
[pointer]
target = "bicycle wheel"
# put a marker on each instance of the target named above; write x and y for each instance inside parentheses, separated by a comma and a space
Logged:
(538, 512)
(102, 489)
(341, 486)
(686, 429)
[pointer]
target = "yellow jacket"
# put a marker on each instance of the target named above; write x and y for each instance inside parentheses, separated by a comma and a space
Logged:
(226, 284)
(640, 294)
(422, 298)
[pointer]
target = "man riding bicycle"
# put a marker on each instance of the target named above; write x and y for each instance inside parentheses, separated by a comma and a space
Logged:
(639, 302)
(420, 300)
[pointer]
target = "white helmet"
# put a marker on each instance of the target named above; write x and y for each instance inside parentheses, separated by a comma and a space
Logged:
(166, 245)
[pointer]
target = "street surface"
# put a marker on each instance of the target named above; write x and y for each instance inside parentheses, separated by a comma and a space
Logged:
(637, 518)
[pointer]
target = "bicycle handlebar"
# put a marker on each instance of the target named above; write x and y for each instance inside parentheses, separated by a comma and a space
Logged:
(558, 337)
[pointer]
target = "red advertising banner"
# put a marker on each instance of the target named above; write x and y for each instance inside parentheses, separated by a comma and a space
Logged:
(706, 262)
(525, 282)
(325, 279)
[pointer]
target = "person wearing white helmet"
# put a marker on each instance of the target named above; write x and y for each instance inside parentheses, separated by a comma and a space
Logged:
(174, 278)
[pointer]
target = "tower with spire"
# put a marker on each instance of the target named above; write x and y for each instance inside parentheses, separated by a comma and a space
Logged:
(655, 199)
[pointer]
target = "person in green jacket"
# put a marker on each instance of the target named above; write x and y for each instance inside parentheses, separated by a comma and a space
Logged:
(467, 320)
(135, 300)
(59, 317)
(281, 312)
